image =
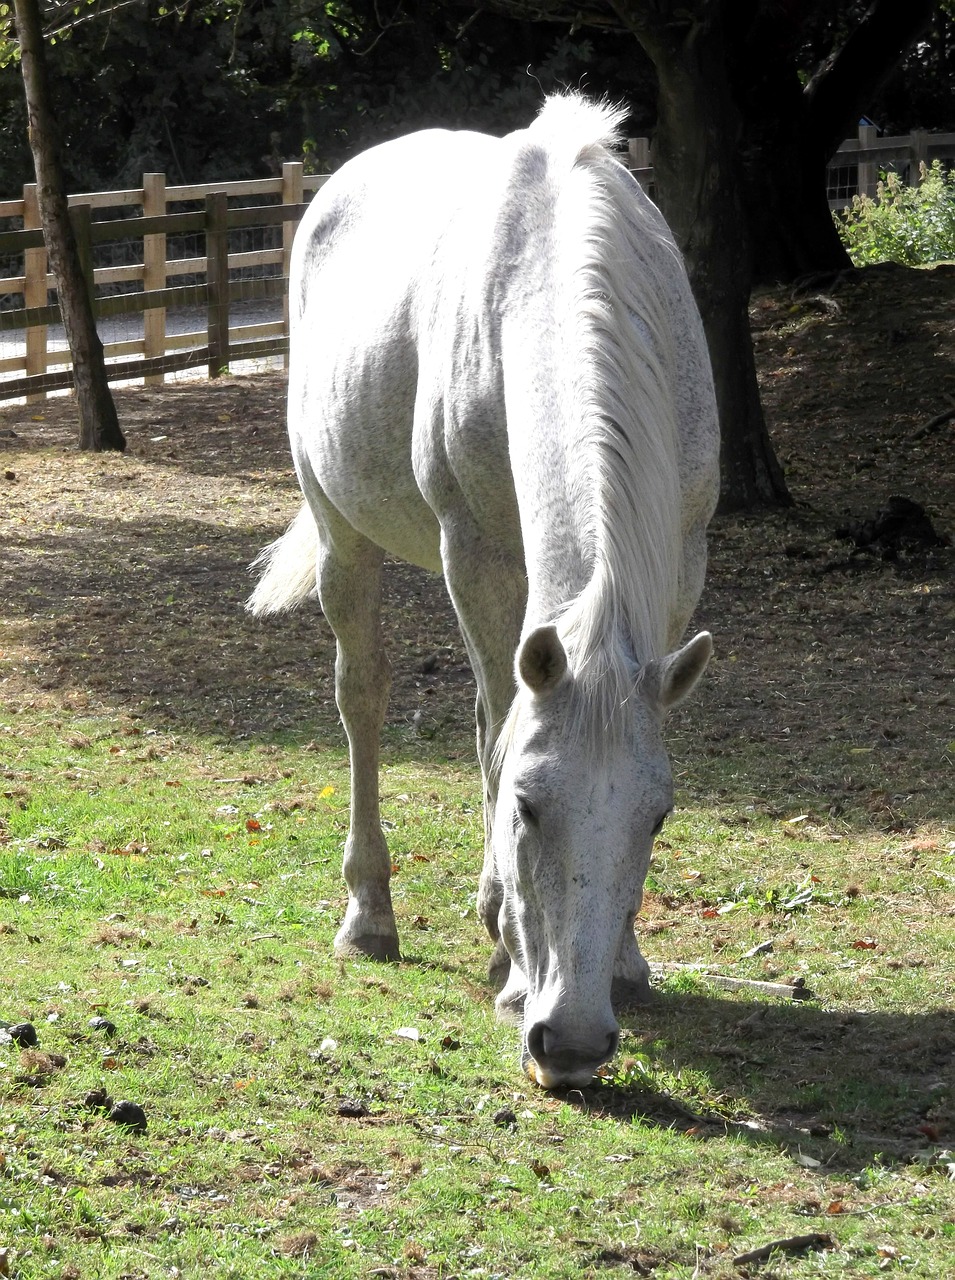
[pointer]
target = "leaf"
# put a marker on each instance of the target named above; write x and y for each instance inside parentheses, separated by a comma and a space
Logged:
(807, 1162)
(865, 944)
(253, 824)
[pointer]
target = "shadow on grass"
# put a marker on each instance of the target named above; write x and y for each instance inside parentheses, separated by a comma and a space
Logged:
(848, 1089)
(145, 615)
(148, 618)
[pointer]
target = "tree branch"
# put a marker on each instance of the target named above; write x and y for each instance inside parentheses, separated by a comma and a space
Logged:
(843, 85)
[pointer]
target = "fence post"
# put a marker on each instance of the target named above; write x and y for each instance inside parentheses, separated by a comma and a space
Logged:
(293, 192)
(919, 153)
(217, 280)
(34, 289)
(154, 273)
(868, 178)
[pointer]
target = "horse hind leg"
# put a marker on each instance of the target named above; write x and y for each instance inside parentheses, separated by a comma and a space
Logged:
(349, 587)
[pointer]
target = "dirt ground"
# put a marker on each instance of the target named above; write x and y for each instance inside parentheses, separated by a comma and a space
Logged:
(831, 687)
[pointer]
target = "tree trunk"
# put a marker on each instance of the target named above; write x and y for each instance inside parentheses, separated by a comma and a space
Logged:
(792, 131)
(99, 426)
(699, 182)
(792, 232)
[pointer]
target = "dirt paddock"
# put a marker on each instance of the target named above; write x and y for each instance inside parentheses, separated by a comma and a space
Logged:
(831, 686)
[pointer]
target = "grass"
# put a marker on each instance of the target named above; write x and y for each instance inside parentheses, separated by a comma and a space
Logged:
(173, 804)
(311, 1117)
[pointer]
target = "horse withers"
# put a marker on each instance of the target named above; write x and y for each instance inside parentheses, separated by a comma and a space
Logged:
(497, 371)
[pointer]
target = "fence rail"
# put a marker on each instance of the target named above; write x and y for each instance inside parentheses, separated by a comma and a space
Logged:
(855, 168)
(155, 275)
(240, 256)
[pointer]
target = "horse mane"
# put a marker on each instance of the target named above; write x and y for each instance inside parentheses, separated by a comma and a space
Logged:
(621, 259)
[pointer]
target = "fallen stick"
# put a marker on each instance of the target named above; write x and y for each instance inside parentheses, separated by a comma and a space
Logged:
(789, 1244)
(787, 990)
(931, 427)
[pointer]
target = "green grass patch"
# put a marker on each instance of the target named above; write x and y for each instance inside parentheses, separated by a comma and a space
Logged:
(306, 1116)
(173, 806)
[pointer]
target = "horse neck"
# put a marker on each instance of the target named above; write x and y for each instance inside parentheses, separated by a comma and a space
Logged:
(592, 438)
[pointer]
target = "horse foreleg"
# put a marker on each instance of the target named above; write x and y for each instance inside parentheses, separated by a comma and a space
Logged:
(631, 973)
(349, 585)
(487, 587)
(490, 894)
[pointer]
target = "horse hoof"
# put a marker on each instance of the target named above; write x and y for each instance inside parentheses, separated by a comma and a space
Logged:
(625, 993)
(372, 946)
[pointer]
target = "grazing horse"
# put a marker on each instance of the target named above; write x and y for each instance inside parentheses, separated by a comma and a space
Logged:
(498, 372)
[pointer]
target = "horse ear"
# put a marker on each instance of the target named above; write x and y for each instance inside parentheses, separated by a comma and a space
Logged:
(541, 660)
(676, 674)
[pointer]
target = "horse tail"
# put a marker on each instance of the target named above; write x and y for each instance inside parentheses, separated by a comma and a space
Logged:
(288, 568)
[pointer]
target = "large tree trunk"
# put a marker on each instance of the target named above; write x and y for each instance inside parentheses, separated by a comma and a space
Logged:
(99, 426)
(698, 180)
(792, 232)
(792, 131)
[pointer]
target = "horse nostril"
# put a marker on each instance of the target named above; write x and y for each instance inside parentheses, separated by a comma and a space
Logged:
(545, 1046)
(537, 1041)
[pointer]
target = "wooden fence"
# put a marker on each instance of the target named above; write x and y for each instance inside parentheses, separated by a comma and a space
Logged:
(856, 167)
(212, 281)
(216, 278)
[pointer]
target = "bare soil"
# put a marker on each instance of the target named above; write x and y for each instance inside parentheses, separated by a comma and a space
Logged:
(124, 576)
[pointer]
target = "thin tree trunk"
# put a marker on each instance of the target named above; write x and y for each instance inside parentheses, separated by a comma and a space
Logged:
(99, 426)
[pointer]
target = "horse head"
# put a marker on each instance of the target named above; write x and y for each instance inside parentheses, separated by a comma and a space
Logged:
(578, 806)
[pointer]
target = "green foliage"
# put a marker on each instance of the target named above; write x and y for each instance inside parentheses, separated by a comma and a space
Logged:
(910, 225)
(217, 90)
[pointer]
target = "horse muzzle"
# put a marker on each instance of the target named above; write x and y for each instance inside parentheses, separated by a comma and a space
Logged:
(556, 1060)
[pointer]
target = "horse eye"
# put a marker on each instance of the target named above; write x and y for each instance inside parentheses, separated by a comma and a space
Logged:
(526, 812)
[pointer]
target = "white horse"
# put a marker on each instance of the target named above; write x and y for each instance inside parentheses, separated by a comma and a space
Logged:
(498, 372)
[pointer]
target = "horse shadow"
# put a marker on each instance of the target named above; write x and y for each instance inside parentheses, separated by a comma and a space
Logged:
(846, 1089)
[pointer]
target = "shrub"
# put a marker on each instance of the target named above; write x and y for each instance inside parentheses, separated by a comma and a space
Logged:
(911, 225)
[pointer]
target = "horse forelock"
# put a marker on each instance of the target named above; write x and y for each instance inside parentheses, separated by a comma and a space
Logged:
(581, 124)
